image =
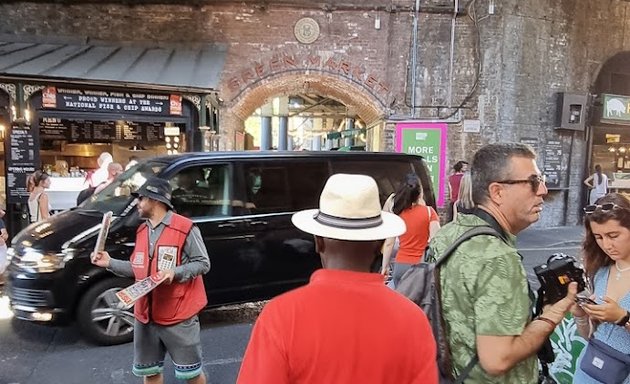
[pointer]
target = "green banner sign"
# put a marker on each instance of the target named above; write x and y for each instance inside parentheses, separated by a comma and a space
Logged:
(429, 141)
(616, 108)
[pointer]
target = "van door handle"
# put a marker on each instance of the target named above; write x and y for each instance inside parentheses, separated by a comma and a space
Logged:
(261, 222)
(232, 223)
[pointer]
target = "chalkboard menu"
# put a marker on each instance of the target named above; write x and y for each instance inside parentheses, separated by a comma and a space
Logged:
(99, 131)
(148, 132)
(153, 131)
(22, 160)
(553, 163)
(130, 131)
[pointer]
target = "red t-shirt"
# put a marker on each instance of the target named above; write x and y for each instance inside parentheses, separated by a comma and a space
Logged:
(454, 180)
(343, 327)
(413, 242)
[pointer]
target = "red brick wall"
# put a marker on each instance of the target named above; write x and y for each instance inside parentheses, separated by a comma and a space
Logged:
(361, 66)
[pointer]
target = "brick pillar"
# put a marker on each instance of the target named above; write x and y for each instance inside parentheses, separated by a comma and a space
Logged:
(266, 136)
(283, 125)
(348, 141)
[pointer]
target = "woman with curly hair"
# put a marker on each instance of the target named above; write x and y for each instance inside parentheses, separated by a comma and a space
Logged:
(606, 252)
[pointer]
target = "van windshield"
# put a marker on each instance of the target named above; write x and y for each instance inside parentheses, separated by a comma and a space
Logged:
(117, 195)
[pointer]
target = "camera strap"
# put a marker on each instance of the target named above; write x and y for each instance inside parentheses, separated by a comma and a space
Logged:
(493, 223)
(545, 354)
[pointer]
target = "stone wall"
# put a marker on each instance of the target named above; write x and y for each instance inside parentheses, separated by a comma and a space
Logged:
(529, 51)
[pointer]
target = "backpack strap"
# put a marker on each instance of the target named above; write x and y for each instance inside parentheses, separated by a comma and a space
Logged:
(464, 373)
(476, 231)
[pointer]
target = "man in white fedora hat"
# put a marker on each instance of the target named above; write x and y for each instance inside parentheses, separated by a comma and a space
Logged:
(345, 326)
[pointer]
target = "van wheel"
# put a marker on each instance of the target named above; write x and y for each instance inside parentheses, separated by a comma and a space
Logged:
(100, 319)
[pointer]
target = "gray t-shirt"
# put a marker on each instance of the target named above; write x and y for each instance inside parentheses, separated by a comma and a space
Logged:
(195, 259)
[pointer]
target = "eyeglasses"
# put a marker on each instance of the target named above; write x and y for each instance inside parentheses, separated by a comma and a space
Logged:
(601, 207)
(533, 180)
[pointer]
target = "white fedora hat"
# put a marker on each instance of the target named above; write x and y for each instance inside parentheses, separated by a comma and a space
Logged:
(349, 209)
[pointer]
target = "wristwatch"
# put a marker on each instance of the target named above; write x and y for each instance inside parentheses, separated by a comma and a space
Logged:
(624, 320)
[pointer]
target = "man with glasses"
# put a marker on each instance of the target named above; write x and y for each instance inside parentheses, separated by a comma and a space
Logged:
(486, 302)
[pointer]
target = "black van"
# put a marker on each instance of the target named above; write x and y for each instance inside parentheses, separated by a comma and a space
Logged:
(242, 203)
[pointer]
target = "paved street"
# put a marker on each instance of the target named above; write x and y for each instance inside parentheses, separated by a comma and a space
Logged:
(31, 354)
(536, 245)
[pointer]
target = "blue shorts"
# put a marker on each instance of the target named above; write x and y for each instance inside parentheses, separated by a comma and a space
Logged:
(181, 341)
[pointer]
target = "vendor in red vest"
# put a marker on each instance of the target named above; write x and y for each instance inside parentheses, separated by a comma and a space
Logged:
(170, 246)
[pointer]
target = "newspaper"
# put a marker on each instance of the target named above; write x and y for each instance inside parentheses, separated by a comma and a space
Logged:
(102, 235)
(132, 293)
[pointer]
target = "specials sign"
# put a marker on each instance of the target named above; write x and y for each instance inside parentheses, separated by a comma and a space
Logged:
(104, 101)
(22, 160)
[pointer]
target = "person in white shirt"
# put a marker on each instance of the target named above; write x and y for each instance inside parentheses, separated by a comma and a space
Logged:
(113, 170)
(597, 183)
(101, 174)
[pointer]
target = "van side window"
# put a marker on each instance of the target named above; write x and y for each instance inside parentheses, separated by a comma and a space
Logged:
(267, 189)
(202, 191)
(306, 180)
(421, 168)
(388, 174)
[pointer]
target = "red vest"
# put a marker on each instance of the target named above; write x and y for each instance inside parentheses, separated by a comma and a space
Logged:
(168, 303)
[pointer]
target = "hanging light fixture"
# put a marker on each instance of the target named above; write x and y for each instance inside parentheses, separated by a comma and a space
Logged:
(612, 149)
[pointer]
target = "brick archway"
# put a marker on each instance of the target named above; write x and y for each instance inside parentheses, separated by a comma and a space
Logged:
(358, 99)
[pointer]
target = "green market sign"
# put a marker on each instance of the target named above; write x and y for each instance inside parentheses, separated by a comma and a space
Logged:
(429, 141)
(616, 108)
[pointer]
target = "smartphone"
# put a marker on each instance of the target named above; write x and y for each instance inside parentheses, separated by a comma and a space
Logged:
(584, 300)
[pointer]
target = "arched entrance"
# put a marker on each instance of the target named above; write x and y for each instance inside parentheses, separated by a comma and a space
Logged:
(326, 99)
(609, 135)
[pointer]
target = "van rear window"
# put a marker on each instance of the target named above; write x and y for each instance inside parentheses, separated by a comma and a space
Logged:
(388, 174)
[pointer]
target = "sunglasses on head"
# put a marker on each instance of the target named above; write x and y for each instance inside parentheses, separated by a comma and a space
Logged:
(533, 180)
(601, 207)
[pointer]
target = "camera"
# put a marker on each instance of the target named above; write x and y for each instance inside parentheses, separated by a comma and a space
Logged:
(556, 274)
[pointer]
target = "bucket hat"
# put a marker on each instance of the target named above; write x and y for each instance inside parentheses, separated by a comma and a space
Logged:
(349, 209)
(156, 189)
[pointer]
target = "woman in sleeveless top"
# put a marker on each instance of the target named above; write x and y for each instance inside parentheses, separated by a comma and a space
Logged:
(606, 252)
(38, 205)
(597, 183)
(422, 223)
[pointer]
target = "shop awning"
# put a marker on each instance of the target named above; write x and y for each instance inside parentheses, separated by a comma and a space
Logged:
(191, 67)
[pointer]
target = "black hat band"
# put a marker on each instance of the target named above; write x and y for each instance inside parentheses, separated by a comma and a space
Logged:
(346, 223)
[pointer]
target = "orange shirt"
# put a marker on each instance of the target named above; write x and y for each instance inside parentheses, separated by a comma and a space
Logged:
(415, 240)
(343, 327)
